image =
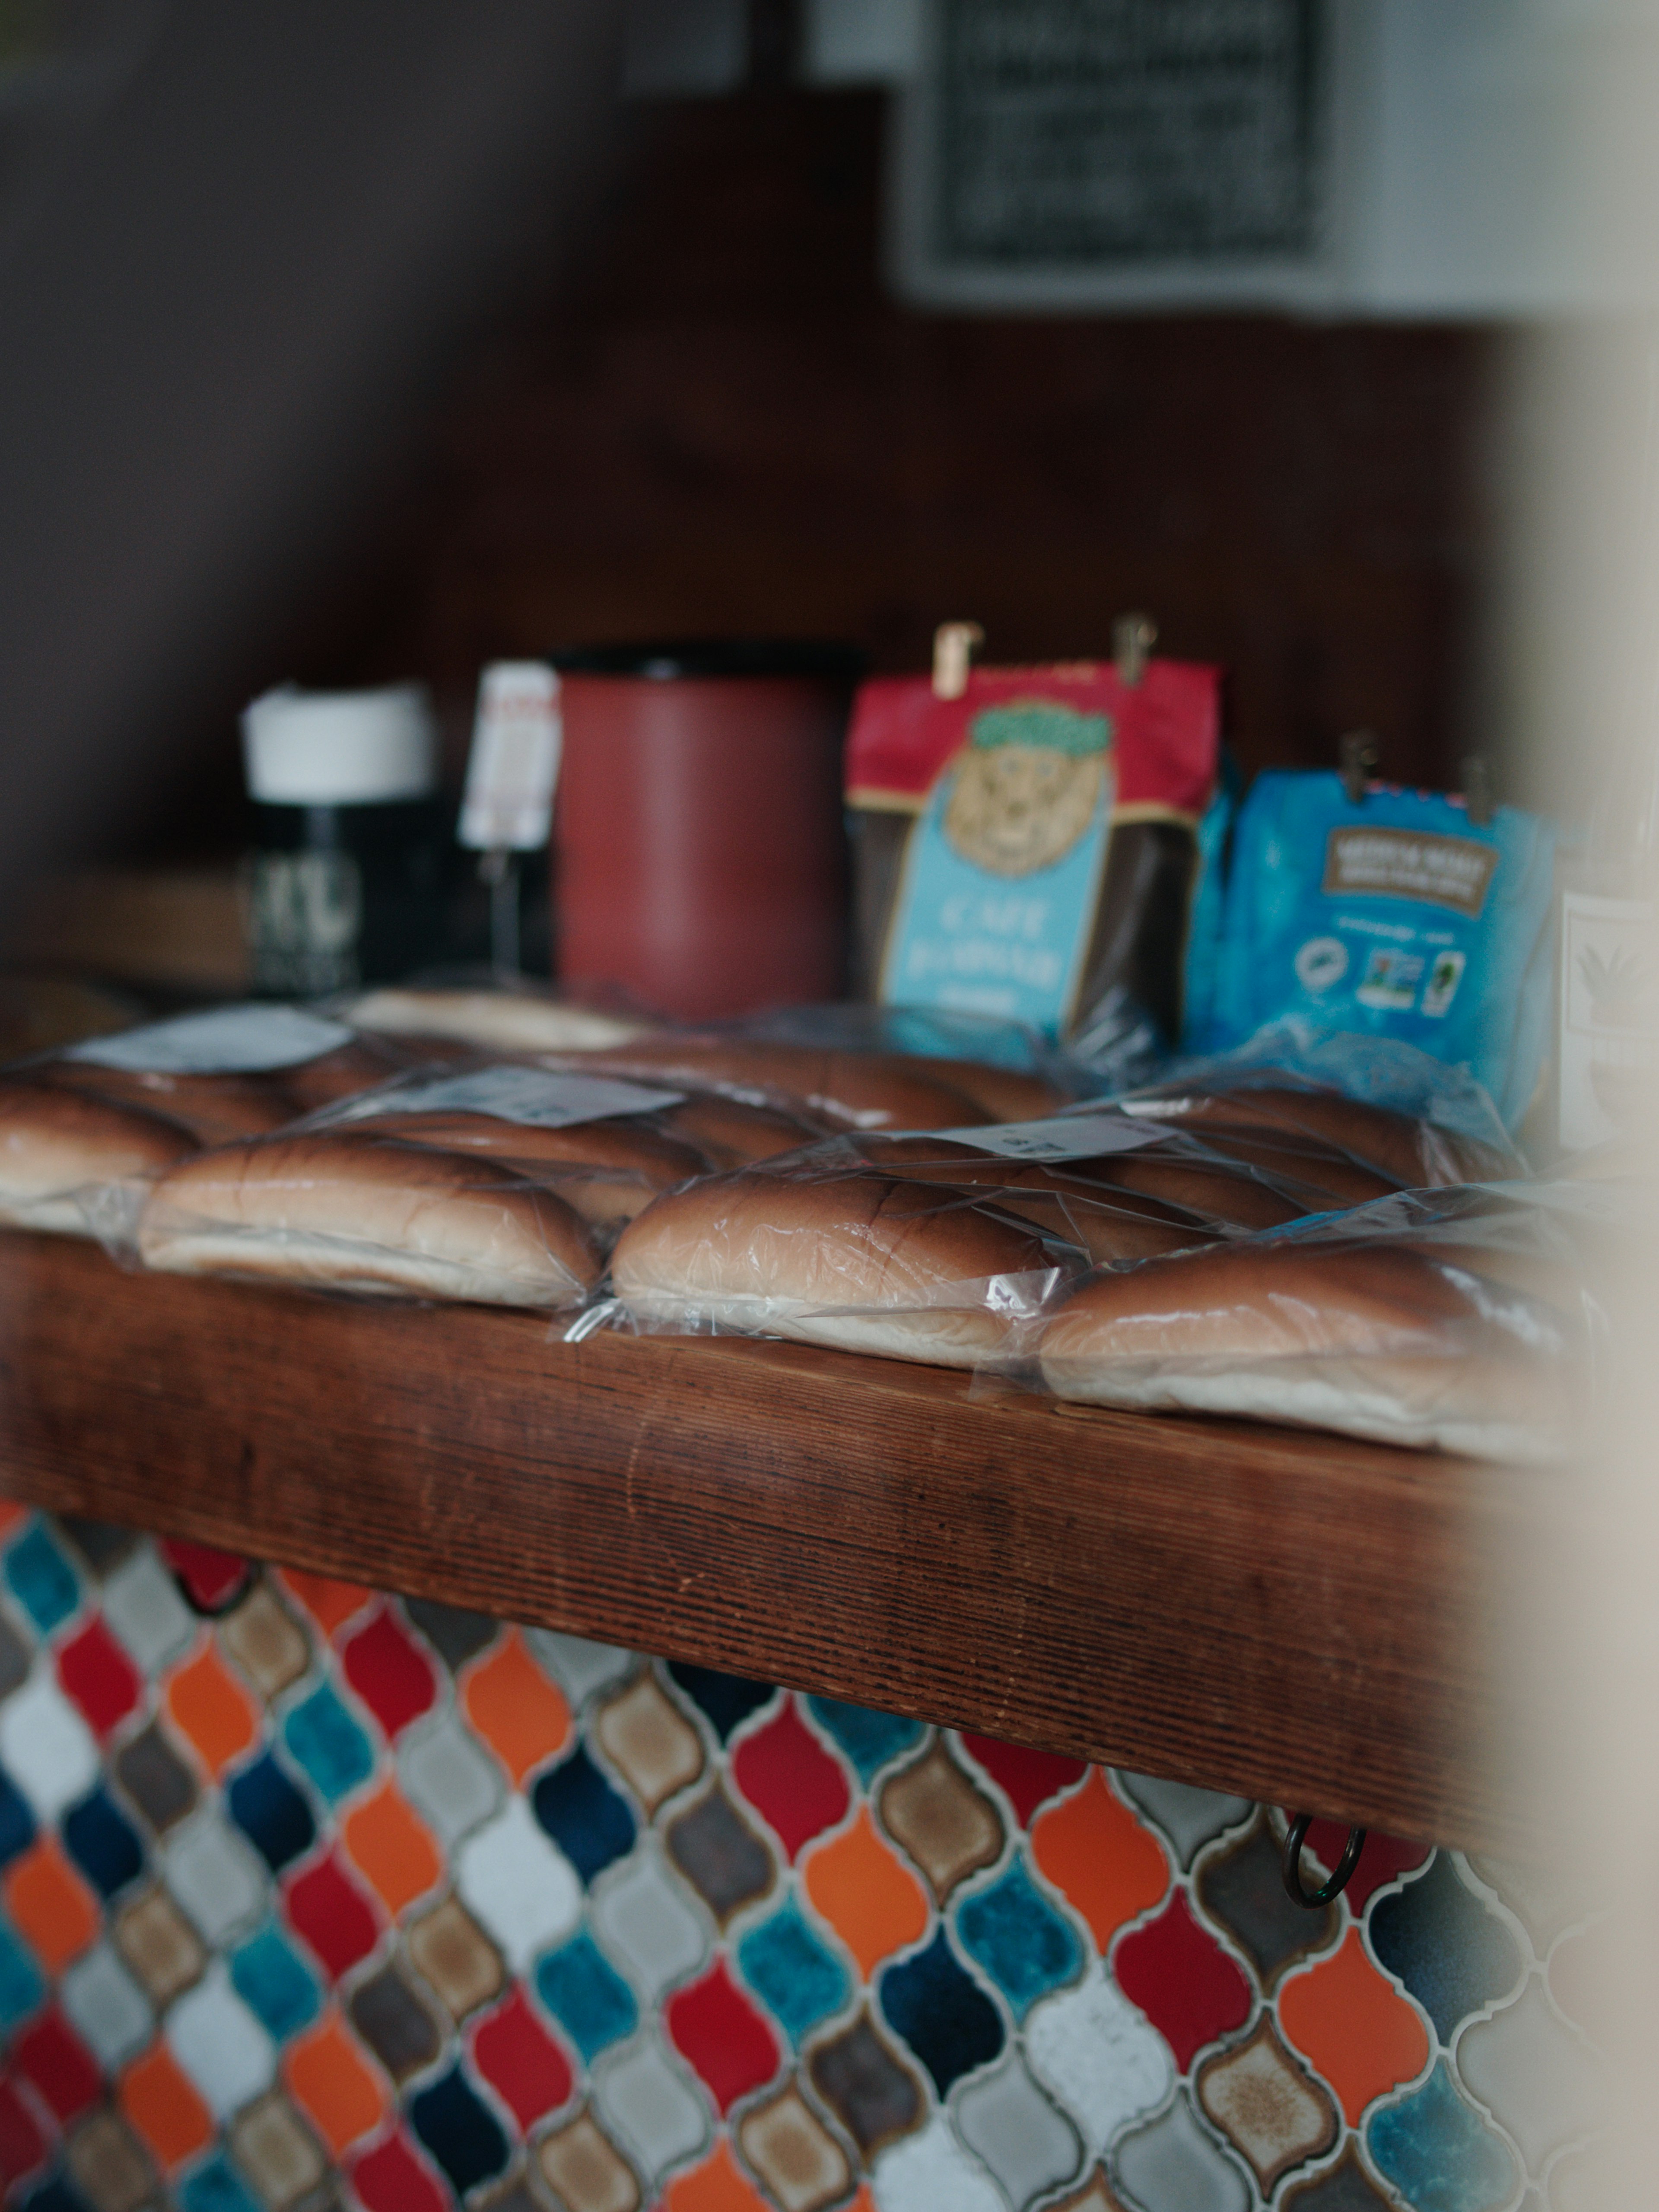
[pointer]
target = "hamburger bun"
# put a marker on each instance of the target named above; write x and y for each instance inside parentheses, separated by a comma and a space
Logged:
(862, 1263)
(341, 1211)
(733, 1134)
(842, 1089)
(1414, 1154)
(57, 1141)
(215, 1109)
(607, 1169)
(494, 1021)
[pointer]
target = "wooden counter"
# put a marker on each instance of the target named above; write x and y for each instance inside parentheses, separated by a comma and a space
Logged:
(1314, 1622)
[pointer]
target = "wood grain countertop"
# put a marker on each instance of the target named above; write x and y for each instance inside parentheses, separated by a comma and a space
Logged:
(1318, 1623)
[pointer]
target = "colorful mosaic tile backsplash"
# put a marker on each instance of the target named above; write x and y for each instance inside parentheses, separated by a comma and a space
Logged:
(312, 1897)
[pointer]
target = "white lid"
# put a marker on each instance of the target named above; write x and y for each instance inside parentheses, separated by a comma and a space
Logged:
(340, 748)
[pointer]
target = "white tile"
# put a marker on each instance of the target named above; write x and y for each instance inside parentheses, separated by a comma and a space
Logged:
(1026, 2143)
(518, 1884)
(1100, 2056)
(1188, 1817)
(1172, 2165)
(1533, 2076)
(214, 1876)
(928, 2172)
(448, 1780)
(579, 1665)
(145, 1612)
(221, 2044)
(647, 1920)
(650, 2107)
(105, 2007)
(47, 1748)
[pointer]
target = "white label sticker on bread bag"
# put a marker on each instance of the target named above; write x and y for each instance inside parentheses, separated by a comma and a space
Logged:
(527, 1095)
(225, 1040)
(1062, 1137)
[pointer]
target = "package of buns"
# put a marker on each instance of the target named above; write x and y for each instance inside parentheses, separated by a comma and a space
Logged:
(944, 1246)
(1456, 1318)
(483, 1014)
(489, 1182)
(84, 1131)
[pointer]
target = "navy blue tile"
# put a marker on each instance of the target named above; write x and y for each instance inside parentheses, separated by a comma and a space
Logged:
(16, 1821)
(271, 1813)
(54, 2195)
(802, 1981)
(1440, 1941)
(872, 1741)
(942, 2013)
(103, 1844)
(726, 1699)
(1438, 2153)
(585, 1816)
(459, 2131)
(586, 1996)
(41, 1579)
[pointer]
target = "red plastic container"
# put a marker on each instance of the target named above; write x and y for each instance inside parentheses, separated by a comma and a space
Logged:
(699, 855)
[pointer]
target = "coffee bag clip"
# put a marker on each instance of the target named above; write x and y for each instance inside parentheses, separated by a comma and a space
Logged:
(954, 646)
(1359, 756)
(1133, 637)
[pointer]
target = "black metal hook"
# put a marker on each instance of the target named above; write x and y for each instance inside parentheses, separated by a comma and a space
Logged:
(1312, 1901)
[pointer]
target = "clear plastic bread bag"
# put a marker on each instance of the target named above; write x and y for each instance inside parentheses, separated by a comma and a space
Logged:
(1462, 1318)
(486, 1183)
(84, 1132)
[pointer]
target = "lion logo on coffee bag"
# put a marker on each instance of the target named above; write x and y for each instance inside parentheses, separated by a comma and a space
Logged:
(1026, 786)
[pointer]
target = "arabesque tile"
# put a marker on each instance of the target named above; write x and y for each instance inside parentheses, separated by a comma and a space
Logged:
(99, 1677)
(1344, 2186)
(389, 1672)
(211, 1709)
(717, 2184)
(62, 2072)
(1352, 2026)
(50, 1905)
(459, 2132)
(159, 1945)
(1027, 1778)
(579, 1666)
(1275, 2114)
(720, 1854)
(1171, 2165)
(649, 2107)
(220, 2044)
(1433, 2147)
(155, 1779)
(391, 1848)
(800, 1980)
(646, 1918)
(947, 1825)
(722, 2035)
(1016, 1938)
(453, 1784)
(392, 2019)
(869, 1740)
(520, 1714)
(1439, 1939)
(789, 1778)
(800, 2163)
(586, 1996)
(872, 1899)
(867, 2085)
(331, 1604)
(108, 2164)
(48, 1750)
(649, 1742)
(1188, 1986)
(584, 2170)
(143, 1610)
(277, 2152)
(265, 1642)
(106, 2007)
(724, 1700)
(1107, 1863)
(455, 1957)
(517, 1885)
(164, 2109)
(1241, 1889)
(394, 2177)
(333, 2084)
(587, 1819)
(521, 2062)
(1190, 1817)
(931, 2169)
(940, 2013)
(1537, 2077)
(1100, 2055)
(1017, 2131)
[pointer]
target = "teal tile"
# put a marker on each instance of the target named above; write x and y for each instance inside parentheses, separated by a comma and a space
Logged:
(1023, 1944)
(800, 1979)
(275, 1983)
(870, 1740)
(1438, 2152)
(21, 1986)
(41, 1579)
(214, 2188)
(586, 1996)
(329, 1744)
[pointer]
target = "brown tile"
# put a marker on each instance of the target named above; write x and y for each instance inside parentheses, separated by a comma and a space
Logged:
(277, 2152)
(866, 2088)
(155, 1778)
(719, 1855)
(266, 1642)
(585, 2171)
(795, 2153)
(395, 2024)
(456, 1957)
(649, 1742)
(1268, 2105)
(160, 1945)
(1242, 1890)
(109, 2165)
(944, 1822)
(519, 2196)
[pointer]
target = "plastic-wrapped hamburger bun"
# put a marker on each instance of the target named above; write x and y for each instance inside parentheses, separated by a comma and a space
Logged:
(337, 1210)
(55, 1142)
(730, 1133)
(843, 1090)
(1306, 1163)
(861, 1262)
(1216, 1191)
(607, 1169)
(494, 1021)
(1379, 1342)
(1414, 1154)
(1006, 1094)
(215, 1109)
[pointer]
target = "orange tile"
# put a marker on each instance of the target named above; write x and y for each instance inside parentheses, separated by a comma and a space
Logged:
(873, 1903)
(211, 1710)
(1093, 1848)
(1353, 2027)
(716, 2185)
(328, 1603)
(50, 1904)
(163, 2105)
(392, 1846)
(332, 2081)
(514, 1706)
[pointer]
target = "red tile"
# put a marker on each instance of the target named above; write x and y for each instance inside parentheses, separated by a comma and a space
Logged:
(520, 2061)
(1382, 1858)
(1182, 1980)
(786, 1773)
(52, 2057)
(716, 2028)
(1029, 1778)
(327, 1908)
(393, 1678)
(22, 2146)
(211, 1578)
(391, 2179)
(97, 1674)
